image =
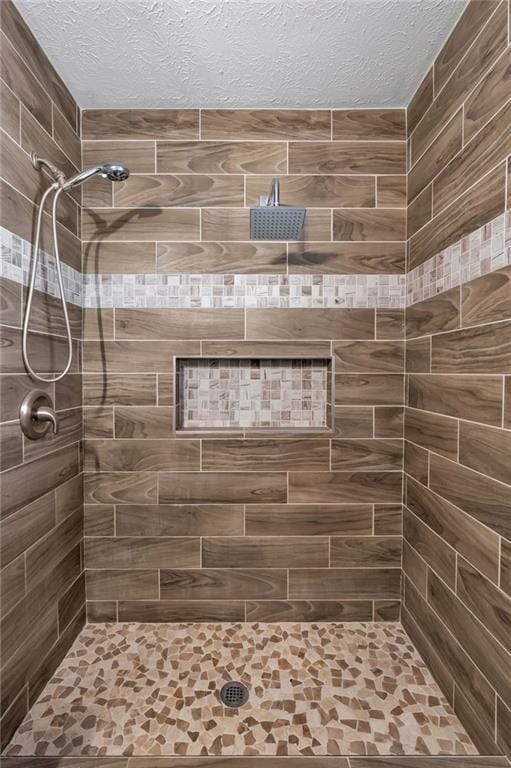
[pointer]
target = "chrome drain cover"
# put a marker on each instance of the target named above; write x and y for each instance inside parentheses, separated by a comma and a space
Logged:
(234, 694)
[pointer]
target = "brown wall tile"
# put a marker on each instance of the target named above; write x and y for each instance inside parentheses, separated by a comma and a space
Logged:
(166, 190)
(486, 449)
(137, 124)
(180, 520)
(379, 224)
(220, 487)
(266, 455)
(309, 610)
(179, 323)
(223, 584)
(341, 583)
(352, 157)
(285, 124)
(476, 398)
(316, 191)
(143, 552)
(139, 455)
(369, 356)
(369, 389)
(221, 157)
(487, 299)
(265, 552)
(480, 349)
(374, 124)
(348, 257)
(432, 431)
(310, 323)
(223, 258)
(439, 313)
(381, 455)
(140, 224)
(344, 487)
(306, 520)
(359, 552)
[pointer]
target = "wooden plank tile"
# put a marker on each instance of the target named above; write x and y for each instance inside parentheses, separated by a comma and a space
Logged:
(380, 224)
(309, 610)
(308, 519)
(11, 445)
(139, 224)
(223, 487)
(374, 124)
(483, 349)
(22, 529)
(223, 584)
(23, 83)
(484, 151)
(357, 258)
(486, 601)
(221, 157)
(381, 455)
(166, 190)
(222, 258)
(488, 96)
(356, 421)
(420, 101)
(179, 323)
(483, 498)
(476, 207)
(44, 351)
(265, 552)
(98, 421)
(369, 389)
(387, 610)
(503, 726)
(418, 355)
(388, 519)
(122, 389)
(475, 398)
(368, 356)
(416, 462)
(505, 567)
(9, 112)
(316, 191)
(259, 124)
(487, 299)
(390, 323)
(474, 541)
(107, 584)
(310, 323)
(119, 258)
(181, 611)
(344, 583)
(462, 36)
(98, 323)
(114, 124)
(12, 583)
(120, 488)
(486, 449)
(420, 211)
(141, 455)
(439, 153)
(415, 568)
(433, 432)
(507, 401)
(440, 557)
(99, 519)
(142, 552)
(134, 356)
(66, 137)
(389, 421)
(352, 157)
(344, 487)
(144, 422)
(27, 482)
(266, 455)
(139, 156)
(486, 49)
(180, 520)
(290, 348)
(491, 658)
(101, 611)
(391, 191)
(365, 551)
(234, 224)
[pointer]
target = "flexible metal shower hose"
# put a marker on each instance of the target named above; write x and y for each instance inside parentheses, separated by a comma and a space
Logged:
(58, 190)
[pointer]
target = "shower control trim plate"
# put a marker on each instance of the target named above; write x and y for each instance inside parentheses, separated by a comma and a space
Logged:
(37, 414)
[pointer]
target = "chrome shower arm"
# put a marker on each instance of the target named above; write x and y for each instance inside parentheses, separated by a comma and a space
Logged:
(274, 197)
(41, 164)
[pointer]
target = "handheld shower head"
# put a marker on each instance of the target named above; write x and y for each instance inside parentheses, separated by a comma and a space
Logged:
(114, 171)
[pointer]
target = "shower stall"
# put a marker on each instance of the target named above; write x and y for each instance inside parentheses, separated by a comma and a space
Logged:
(256, 412)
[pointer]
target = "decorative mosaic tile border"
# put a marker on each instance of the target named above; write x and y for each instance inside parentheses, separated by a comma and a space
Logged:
(280, 394)
(243, 291)
(485, 250)
(15, 261)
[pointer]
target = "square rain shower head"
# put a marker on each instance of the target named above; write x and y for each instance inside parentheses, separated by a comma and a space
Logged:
(276, 222)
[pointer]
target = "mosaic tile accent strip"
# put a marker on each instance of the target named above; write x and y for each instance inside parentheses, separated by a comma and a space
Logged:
(244, 291)
(16, 255)
(315, 689)
(485, 250)
(280, 394)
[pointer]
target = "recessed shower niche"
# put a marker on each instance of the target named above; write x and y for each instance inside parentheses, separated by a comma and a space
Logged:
(284, 394)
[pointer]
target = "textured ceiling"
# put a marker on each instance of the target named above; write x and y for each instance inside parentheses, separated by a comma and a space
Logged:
(241, 53)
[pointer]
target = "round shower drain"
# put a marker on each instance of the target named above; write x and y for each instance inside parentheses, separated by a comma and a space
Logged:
(234, 694)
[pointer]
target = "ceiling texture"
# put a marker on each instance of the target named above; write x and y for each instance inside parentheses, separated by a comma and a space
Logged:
(241, 53)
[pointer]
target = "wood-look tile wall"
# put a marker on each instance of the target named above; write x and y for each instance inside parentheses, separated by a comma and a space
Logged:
(457, 518)
(263, 527)
(41, 519)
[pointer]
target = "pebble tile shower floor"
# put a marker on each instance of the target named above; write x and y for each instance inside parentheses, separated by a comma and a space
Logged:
(315, 689)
